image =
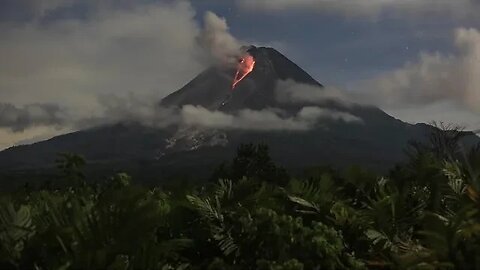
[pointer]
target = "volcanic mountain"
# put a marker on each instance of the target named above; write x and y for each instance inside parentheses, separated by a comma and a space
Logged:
(377, 141)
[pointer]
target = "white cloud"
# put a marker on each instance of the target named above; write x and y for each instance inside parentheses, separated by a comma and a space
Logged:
(135, 108)
(261, 120)
(149, 113)
(433, 78)
(432, 82)
(369, 8)
(438, 112)
(148, 49)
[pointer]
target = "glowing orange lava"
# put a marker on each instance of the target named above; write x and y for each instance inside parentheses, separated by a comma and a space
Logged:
(245, 66)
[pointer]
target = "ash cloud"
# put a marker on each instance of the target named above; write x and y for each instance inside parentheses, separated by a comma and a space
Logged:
(217, 41)
(18, 119)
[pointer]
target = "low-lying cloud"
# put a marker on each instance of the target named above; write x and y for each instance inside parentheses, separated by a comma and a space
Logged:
(134, 109)
(262, 120)
(18, 119)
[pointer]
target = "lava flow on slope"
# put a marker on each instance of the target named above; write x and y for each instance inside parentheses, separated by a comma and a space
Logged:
(245, 66)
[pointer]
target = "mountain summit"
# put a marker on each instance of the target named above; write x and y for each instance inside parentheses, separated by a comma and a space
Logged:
(154, 153)
(212, 89)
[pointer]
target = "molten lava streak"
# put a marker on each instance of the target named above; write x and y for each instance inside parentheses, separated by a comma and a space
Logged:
(245, 66)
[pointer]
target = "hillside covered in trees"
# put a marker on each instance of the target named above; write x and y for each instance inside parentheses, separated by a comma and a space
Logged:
(423, 214)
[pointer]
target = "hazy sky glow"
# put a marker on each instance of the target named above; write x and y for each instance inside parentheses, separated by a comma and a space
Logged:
(61, 59)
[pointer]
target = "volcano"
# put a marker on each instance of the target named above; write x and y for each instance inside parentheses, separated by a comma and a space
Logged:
(153, 154)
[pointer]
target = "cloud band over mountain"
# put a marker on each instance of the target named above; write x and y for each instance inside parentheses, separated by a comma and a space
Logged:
(20, 118)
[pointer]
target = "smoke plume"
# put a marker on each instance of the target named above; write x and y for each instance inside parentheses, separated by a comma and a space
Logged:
(216, 39)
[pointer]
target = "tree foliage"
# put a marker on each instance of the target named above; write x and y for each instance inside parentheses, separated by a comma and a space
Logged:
(424, 214)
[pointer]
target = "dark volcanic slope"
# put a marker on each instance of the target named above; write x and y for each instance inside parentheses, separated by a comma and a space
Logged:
(103, 144)
(283, 68)
(378, 142)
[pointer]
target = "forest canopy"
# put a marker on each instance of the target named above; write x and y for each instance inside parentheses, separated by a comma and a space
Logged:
(423, 214)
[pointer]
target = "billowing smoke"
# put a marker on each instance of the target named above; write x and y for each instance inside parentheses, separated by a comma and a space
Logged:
(18, 119)
(216, 39)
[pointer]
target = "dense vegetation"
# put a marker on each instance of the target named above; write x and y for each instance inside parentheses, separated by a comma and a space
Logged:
(425, 214)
